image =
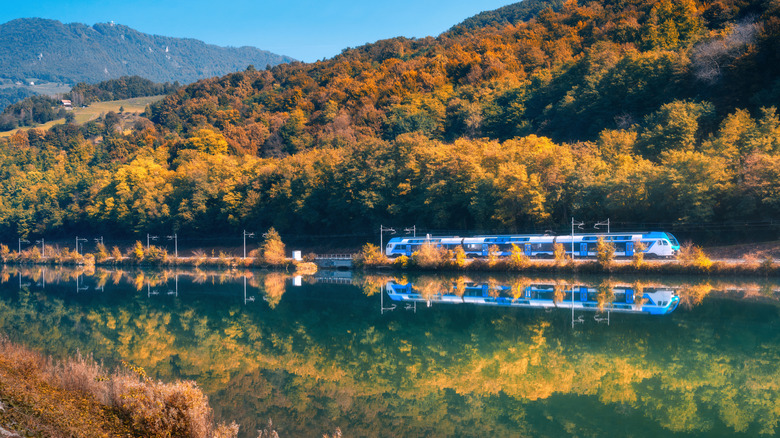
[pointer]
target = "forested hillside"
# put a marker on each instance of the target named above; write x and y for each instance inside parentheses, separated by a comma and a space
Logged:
(125, 87)
(654, 113)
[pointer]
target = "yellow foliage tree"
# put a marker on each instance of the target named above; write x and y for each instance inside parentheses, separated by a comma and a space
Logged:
(371, 255)
(273, 248)
(460, 256)
(517, 258)
(428, 256)
(208, 141)
(605, 252)
(559, 252)
(137, 253)
(638, 259)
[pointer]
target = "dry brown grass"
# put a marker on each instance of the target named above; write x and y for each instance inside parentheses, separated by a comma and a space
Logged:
(37, 406)
(79, 398)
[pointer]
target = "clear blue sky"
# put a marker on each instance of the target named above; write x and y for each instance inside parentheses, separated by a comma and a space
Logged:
(304, 29)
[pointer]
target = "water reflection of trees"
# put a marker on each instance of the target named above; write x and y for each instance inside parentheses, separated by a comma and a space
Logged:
(693, 295)
(274, 287)
(371, 370)
(605, 294)
(272, 284)
(639, 295)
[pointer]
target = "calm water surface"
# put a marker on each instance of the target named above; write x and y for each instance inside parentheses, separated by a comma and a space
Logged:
(428, 356)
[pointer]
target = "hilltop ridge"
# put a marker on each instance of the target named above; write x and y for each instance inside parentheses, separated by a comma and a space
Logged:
(54, 51)
(37, 50)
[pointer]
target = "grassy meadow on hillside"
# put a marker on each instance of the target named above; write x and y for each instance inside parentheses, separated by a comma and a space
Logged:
(96, 110)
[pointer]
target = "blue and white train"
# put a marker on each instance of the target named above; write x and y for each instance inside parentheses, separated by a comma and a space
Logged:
(657, 244)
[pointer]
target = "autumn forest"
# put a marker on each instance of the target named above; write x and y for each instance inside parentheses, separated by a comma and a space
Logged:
(654, 113)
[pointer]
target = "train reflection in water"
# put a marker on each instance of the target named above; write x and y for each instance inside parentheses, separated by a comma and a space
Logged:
(619, 298)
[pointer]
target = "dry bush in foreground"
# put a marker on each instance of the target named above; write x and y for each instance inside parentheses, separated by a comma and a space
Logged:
(153, 408)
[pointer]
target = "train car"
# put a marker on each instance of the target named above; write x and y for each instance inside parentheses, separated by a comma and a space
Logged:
(657, 244)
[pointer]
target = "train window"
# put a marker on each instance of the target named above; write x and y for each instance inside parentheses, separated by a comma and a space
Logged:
(590, 238)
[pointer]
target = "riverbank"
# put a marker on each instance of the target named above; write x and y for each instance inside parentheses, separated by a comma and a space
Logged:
(690, 260)
(153, 256)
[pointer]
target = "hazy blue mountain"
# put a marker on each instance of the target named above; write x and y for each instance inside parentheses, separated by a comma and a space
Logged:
(71, 53)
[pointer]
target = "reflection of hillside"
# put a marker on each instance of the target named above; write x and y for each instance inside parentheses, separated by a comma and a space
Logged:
(325, 356)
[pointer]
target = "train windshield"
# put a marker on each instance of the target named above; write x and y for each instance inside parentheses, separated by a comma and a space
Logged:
(673, 240)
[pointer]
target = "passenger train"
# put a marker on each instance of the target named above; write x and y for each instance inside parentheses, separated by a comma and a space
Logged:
(657, 244)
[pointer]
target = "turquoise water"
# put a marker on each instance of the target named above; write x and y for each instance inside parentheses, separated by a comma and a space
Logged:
(460, 356)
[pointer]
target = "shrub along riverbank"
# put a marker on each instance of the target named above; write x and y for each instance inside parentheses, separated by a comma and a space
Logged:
(271, 255)
(691, 260)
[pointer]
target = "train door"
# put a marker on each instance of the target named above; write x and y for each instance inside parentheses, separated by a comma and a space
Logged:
(629, 249)
(485, 291)
(485, 249)
(629, 296)
(527, 249)
(583, 249)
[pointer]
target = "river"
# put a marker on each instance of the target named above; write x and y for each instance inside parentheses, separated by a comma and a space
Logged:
(432, 356)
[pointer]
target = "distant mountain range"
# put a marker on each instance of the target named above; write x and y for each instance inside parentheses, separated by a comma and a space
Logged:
(36, 48)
